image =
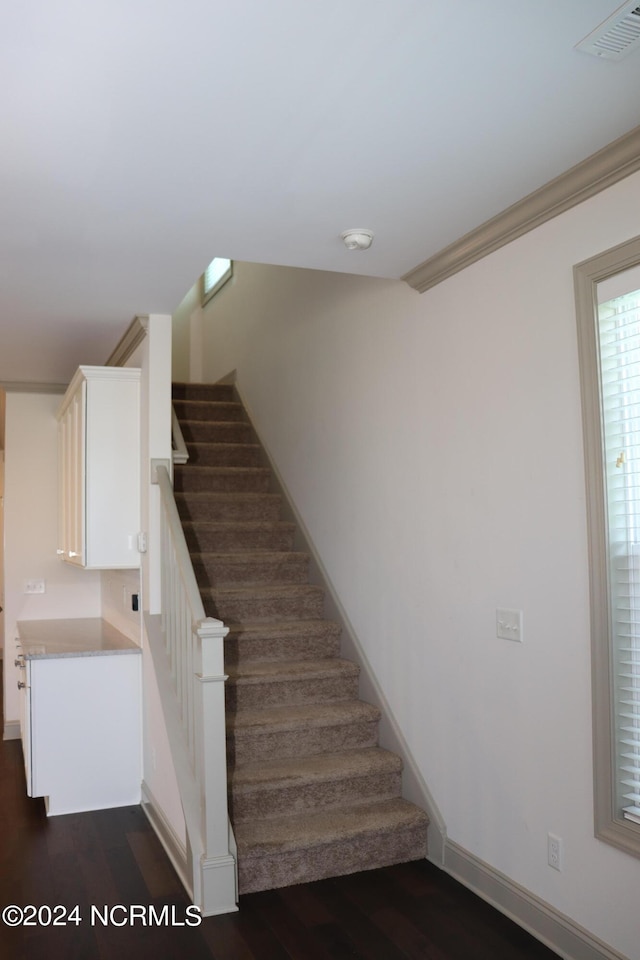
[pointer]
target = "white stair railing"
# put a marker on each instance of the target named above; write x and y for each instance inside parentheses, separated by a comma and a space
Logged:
(188, 655)
(180, 451)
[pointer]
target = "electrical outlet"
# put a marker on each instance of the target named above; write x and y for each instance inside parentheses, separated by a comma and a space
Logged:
(554, 851)
(33, 586)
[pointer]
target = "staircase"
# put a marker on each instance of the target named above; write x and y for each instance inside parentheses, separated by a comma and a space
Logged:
(311, 793)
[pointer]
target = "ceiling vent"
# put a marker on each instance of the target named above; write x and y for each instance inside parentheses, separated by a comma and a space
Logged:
(615, 37)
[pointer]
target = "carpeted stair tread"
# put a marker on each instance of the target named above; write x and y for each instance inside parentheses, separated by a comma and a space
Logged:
(216, 431)
(329, 766)
(283, 628)
(313, 829)
(239, 536)
(266, 788)
(202, 391)
(283, 640)
(240, 556)
(223, 479)
(212, 506)
(272, 683)
(279, 671)
(275, 590)
(262, 603)
(305, 729)
(226, 569)
(225, 454)
(318, 715)
(208, 410)
(280, 851)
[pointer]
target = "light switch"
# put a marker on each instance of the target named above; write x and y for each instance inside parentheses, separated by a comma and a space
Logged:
(509, 624)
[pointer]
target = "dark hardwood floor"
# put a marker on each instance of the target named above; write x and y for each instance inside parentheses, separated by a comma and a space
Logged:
(112, 858)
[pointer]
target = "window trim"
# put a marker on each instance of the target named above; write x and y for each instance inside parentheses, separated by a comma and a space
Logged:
(206, 295)
(609, 827)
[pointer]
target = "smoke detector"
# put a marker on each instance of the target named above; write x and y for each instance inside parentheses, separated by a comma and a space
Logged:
(616, 36)
(357, 239)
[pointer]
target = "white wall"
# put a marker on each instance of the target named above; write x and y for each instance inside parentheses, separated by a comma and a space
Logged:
(2, 529)
(180, 335)
(31, 530)
(433, 445)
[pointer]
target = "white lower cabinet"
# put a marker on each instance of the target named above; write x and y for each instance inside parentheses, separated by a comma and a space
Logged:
(81, 731)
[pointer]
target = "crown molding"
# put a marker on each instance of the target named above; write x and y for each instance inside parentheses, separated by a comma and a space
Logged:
(25, 386)
(608, 166)
(131, 339)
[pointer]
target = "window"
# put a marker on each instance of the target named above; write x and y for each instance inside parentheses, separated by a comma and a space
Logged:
(215, 277)
(608, 313)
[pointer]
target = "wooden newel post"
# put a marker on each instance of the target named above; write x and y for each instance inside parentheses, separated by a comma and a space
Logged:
(211, 757)
(218, 878)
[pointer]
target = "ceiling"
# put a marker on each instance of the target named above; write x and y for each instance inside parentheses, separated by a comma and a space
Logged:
(141, 138)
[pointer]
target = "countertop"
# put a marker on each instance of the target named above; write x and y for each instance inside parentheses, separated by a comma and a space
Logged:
(83, 637)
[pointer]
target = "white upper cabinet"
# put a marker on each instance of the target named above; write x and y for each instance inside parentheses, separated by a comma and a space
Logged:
(99, 468)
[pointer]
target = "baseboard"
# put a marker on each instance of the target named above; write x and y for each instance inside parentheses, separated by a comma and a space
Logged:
(173, 846)
(561, 934)
(391, 737)
(12, 730)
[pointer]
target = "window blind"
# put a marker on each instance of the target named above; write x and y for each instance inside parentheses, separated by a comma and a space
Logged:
(619, 343)
(215, 276)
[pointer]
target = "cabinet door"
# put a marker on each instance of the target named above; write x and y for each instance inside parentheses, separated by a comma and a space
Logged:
(77, 495)
(63, 484)
(100, 468)
(71, 473)
(112, 482)
(24, 678)
(86, 732)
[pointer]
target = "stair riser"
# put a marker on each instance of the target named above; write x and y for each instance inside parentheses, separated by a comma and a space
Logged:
(232, 610)
(224, 455)
(225, 480)
(219, 392)
(205, 431)
(246, 746)
(293, 692)
(270, 801)
(212, 573)
(196, 410)
(202, 539)
(331, 859)
(204, 510)
(284, 648)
